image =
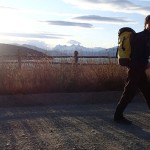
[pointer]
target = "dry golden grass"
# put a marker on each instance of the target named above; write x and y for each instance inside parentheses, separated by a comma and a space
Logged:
(47, 77)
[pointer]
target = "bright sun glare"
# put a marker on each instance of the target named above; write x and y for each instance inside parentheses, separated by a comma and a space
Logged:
(12, 22)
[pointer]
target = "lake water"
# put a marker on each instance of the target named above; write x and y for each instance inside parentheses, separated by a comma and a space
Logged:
(29, 64)
(86, 60)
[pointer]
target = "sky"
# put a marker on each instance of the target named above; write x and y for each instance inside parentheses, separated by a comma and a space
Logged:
(90, 23)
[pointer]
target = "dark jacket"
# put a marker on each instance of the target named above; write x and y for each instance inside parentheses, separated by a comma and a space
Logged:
(141, 49)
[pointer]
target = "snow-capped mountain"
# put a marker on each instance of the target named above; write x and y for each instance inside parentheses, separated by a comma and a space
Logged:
(84, 51)
(65, 50)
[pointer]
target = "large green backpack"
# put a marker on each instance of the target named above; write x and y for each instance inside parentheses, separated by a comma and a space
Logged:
(125, 45)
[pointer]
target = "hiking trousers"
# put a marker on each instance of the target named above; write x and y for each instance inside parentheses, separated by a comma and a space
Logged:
(137, 81)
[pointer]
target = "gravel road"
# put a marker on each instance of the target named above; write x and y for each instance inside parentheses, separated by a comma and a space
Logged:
(74, 127)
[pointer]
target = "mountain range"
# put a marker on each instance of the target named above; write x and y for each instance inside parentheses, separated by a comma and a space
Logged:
(58, 50)
(64, 50)
(13, 50)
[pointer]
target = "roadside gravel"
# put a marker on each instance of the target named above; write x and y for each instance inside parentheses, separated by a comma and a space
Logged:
(76, 126)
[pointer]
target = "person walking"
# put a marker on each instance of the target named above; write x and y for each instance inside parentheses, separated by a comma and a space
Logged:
(137, 79)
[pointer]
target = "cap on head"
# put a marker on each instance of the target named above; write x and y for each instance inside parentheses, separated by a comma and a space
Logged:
(146, 20)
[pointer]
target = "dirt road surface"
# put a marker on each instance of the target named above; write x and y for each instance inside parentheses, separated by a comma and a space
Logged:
(76, 126)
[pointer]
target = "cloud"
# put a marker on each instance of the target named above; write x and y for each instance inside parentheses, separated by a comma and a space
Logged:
(144, 0)
(5, 7)
(73, 42)
(35, 35)
(67, 23)
(125, 6)
(103, 19)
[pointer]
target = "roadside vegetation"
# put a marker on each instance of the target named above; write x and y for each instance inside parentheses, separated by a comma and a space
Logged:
(47, 77)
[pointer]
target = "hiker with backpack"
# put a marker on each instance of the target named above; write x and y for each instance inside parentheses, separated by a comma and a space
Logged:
(137, 62)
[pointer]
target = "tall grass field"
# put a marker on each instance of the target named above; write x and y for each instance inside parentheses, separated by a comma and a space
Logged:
(46, 77)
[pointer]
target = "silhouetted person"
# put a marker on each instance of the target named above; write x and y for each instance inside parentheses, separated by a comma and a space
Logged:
(137, 79)
(76, 56)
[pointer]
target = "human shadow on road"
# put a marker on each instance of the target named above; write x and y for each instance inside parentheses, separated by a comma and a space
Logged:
(93, 122)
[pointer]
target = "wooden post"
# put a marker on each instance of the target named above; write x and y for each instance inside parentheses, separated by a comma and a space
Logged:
(75, 57)
(19, 59)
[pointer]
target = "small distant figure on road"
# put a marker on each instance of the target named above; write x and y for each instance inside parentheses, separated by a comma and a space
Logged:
(76, 57)
(137, 79)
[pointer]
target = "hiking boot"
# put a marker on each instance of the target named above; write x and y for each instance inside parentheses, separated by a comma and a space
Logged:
(122, 120)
